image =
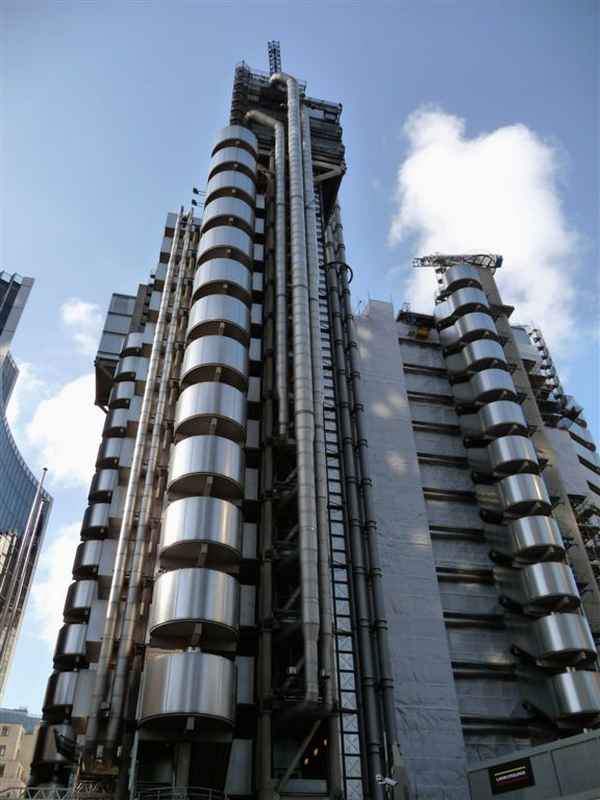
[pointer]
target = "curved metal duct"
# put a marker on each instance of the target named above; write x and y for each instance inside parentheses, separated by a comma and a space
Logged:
(213, 358)
(223, 276)
(281, 351)
(216, 408)
(185, 599)
(303, 397)
(219, 314)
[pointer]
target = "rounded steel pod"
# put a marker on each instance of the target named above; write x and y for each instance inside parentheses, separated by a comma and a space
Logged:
(60, 694)
(71, 650)
(223, 276)
(177, 686)
(460, 276)
(535, 538)
(577, 696)
(232, 158)
(211, 408)
(131, 368)
(231, 184)
(95, 520)
(207, 465)
(201, 528)
(228, 211)
(226, 242)
(116, 422)
(549, 586)
(469, 328)
(121, 394)
(87, 559)
(460, 302)
(80, 596)
(502, 417)
(563, 639)
(236, 136)
(216, 314)
(46, 751)
(212, 357)
(492, 384)
(133, 344)
(524, 494)
(475, 356)
(512, 454)
(187, 598)
(104, 482)
(109, 452)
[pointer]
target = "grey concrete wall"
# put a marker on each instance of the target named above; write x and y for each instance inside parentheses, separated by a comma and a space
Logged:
(428, 714)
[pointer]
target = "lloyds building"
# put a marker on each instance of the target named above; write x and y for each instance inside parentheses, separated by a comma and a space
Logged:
(324, 555)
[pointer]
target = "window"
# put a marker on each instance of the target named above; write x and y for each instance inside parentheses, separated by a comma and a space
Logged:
(2, 768)
(2, 750)
(4, 730)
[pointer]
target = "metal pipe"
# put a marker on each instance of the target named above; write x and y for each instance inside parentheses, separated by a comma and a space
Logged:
(281, 355)
(20, 569)
(116, 588)
(325, 592)
(374, 743)
(136, 576)
(396, 766)
(303, 396)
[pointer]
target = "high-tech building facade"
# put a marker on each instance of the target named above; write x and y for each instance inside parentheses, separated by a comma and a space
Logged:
(24, 505)
(322, 556)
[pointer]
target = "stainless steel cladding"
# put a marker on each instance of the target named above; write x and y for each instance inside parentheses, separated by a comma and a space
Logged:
(226, 242)
(201, 527)
(87, 559)
(185, 599)
(121, 394)
(228, 211)
(491, 384)
(46, 751)
(459, 303)
(211, 408)
(177, 686)
(95, 520)
(524, 494)
(109, 452)
(219, 314)
(60, 691)
(103, 485)
(116, 421)
(223, 276)
(469, 328)
(548, 586)
(573, 698)
(502, 417)
(131, 368)
(556, 640)
(481, 354)
(460, 276)
(231, 184)
(510, 454)
(209, 356)
(210, 464)
(80, 596)
(236, 136)
(531, 538)
(71, 647)
(236, 158)
(133, 344)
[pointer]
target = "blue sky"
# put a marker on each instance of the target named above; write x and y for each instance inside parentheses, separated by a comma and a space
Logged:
(463, 121)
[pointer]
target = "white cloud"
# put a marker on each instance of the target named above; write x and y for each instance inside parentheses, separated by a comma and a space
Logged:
(53, 578)
(494, 193)
(64, 432)
(85, 321)
(29, 387)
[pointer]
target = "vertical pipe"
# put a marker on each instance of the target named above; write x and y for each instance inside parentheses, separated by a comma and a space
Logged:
(135, 579)
(370, 704)
(116, 588)
(303, 396)
(322, 495)
(396, 766)
(281, 359)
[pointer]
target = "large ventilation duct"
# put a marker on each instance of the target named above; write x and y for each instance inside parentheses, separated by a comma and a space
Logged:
(120, 567)
(281, 353)
(303, 395)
